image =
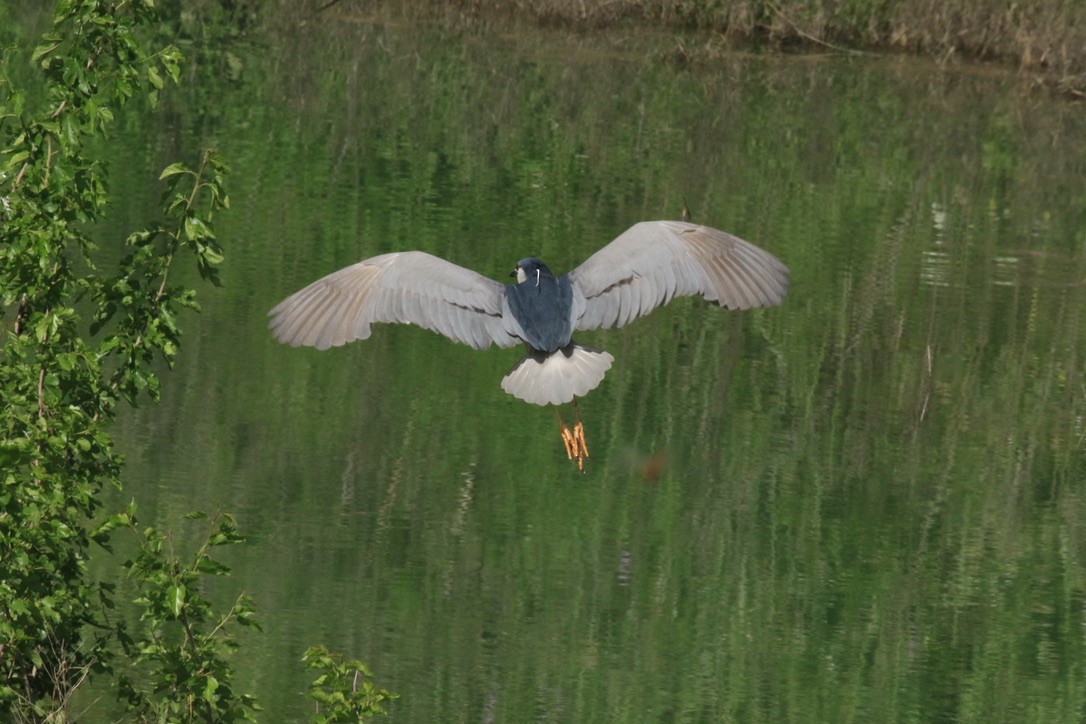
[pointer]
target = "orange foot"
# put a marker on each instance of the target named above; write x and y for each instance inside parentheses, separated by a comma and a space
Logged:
(576, 446)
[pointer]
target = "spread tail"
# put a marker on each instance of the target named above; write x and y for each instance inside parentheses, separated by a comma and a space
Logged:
(555, 378)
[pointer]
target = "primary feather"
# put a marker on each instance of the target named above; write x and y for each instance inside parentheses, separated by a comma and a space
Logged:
(409, 287)
(654, 261)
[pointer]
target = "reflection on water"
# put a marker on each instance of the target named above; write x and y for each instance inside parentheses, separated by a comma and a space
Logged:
(864, 505)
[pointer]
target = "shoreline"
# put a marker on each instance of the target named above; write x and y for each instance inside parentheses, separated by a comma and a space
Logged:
(1045, 42)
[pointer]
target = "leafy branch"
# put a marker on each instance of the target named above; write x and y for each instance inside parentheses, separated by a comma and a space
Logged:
(343, 691)
(137, 303)
(60, 388)
(185, 642)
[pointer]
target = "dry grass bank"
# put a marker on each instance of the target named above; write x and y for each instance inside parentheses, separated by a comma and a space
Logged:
(1045, 39)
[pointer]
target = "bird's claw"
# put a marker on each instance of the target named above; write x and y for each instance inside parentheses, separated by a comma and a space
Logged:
(576, 446)
(569, 441)
(582, 444)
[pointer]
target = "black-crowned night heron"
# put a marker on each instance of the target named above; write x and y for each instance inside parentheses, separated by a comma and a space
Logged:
(648, 265)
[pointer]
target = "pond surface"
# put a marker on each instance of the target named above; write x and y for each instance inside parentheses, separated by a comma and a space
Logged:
(867, 504)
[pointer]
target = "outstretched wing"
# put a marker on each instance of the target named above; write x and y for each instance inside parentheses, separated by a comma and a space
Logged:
(410, 287)
(654, 261)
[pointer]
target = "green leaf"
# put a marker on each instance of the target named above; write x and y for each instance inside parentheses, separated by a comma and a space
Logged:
(196, 229)
(70, 126)
(212, 566)
(49, 44)
(17, 158)
(154, 77)
(175, 599)
(173, 169)
(211, 255)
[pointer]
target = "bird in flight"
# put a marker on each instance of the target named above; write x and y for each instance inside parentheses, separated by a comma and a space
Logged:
(645, 267)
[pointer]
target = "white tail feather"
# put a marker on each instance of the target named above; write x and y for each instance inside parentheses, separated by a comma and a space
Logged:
(558, 377)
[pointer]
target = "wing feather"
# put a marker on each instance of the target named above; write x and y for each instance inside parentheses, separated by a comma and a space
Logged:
(760, 276)
(408, 287)
(653, 262)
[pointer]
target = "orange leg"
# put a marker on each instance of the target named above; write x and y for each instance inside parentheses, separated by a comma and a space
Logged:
(573, 439)
(578, 435)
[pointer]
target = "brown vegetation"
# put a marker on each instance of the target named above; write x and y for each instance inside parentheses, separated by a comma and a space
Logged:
(1046, 39)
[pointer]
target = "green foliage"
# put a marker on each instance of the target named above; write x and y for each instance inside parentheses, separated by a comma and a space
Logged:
(80, 338)
(59, 387)
(210, 32)
(343, 691)
(184, 641)
(137, 303)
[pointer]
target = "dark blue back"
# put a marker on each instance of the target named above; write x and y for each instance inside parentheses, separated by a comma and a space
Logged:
(543, 311)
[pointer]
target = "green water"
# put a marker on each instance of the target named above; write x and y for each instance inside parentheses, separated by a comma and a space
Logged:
(866, 505)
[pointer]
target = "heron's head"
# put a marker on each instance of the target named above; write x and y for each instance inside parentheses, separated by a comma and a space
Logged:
(532, 269)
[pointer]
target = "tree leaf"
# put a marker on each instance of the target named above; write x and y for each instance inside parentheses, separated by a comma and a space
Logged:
(172, 170)
(175, 599)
